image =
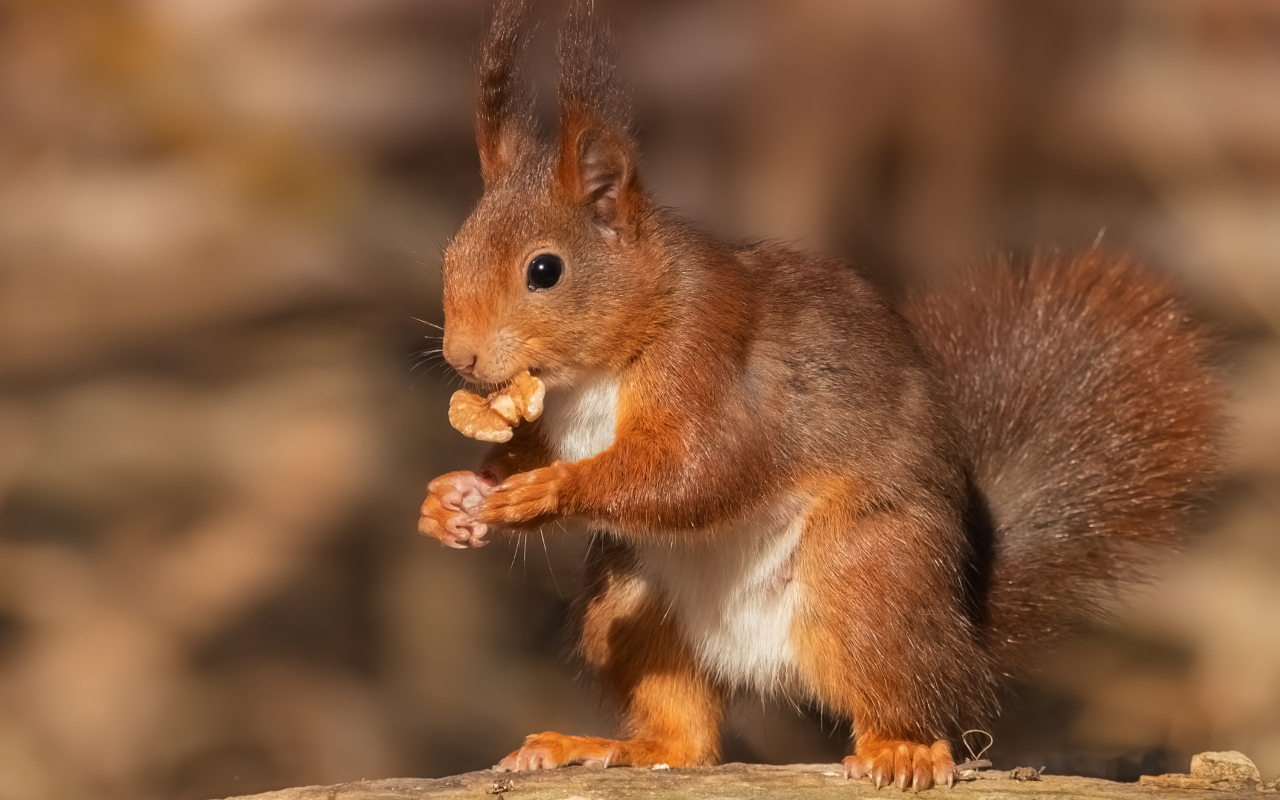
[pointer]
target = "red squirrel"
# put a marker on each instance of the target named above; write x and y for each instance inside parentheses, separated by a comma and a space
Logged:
(801, 490)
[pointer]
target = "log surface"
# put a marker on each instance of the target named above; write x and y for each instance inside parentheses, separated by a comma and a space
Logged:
(729, 781)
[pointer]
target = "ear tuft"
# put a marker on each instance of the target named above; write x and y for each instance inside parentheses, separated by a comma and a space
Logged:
(597, 157)
(505, 128)
(589, 78)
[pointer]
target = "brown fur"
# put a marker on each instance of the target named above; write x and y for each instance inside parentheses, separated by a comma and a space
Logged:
(961, 493)
(1094, 422)
(504, 121)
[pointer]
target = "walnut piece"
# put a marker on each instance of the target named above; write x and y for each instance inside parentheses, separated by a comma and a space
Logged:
(492, 418)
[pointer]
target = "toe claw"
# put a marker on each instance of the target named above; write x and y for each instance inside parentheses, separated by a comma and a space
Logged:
(855, 768)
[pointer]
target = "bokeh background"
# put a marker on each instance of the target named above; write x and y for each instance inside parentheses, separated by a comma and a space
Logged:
(220, 225)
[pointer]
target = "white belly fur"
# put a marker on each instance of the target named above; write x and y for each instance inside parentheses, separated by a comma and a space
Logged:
(731, 589)
(735, 595)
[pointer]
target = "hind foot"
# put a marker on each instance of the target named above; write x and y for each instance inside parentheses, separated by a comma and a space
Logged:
(905, 764)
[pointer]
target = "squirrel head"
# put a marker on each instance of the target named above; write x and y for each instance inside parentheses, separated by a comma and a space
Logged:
(551, 271)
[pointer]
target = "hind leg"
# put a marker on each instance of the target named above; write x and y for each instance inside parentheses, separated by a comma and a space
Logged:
(671, 712)
(891, 645)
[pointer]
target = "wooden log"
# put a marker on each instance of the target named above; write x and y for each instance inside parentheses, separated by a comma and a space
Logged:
(736, 781)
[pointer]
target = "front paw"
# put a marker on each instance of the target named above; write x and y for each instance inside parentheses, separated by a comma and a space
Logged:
(526, 500)
(449, 512)
(553, 750)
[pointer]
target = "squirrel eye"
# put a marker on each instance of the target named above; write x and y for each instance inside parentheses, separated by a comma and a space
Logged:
(544, 272)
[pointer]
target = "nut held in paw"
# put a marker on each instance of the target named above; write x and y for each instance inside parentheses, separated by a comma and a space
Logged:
(491, 419)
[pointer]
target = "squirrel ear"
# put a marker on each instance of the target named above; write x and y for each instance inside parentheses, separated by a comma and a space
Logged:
(597, 168)
(504, 119)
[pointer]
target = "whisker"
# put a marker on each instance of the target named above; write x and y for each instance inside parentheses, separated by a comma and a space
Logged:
(524, 566)
(514, 552)
(411, 255)
(671, 606)
(424, 357)
(424, 322)
(431, 369)
(427, 354)
(550, 568)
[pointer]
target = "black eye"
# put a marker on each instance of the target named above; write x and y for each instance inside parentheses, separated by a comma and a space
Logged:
(544, 272)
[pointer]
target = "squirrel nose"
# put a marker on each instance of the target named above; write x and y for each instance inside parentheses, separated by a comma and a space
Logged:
(464, 362)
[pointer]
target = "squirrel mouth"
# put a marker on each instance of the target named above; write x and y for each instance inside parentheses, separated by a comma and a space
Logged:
(492, 387)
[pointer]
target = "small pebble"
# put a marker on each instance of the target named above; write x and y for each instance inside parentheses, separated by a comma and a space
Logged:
(1228, 765)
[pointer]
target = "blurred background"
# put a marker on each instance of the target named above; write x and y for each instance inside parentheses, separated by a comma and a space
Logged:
(220, 236)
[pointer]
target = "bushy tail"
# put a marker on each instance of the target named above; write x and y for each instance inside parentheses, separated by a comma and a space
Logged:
(1095, 417)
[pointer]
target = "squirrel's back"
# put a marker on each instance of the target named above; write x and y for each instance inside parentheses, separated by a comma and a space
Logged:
(1093, 413)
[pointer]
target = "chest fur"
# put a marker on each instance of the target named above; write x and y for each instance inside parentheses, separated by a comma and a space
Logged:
(579, 423)
(735, 595)
(732, 590)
